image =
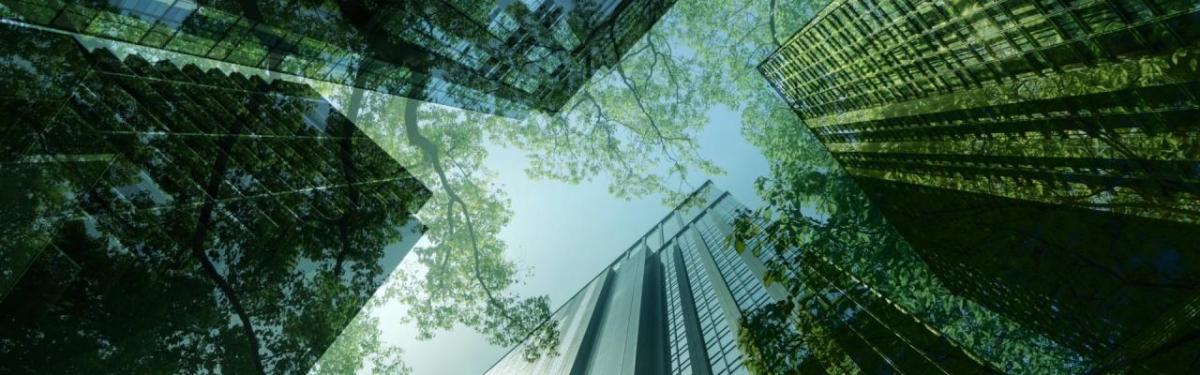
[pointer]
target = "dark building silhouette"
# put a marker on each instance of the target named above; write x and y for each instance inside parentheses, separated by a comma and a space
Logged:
(858, 326)
(502, 57)
(166, 219)
(1042, 157)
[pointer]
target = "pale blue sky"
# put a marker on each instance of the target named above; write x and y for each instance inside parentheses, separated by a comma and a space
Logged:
(565, 234)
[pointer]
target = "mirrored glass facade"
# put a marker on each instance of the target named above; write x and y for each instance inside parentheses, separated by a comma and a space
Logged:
(866, 331)
(1040, 156)
(664, 304)
(503, 57)
(166, 219)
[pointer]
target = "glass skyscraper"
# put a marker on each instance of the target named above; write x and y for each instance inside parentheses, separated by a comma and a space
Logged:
(673, 303)
(669, 305)
(166, 219)
(1040, 156)
(504, 57)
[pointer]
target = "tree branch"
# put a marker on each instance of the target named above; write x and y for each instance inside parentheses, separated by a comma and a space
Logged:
(430, 153)
(203, 223)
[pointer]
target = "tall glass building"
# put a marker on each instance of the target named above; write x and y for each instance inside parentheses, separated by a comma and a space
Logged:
(669, 305)
(1041, 156)
(166, 219)
(673, 303)
(502, 57)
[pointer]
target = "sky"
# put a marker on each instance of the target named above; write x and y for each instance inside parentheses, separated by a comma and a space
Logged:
(565, 234)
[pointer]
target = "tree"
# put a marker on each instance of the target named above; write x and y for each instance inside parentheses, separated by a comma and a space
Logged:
(463, 271)
(635, 122)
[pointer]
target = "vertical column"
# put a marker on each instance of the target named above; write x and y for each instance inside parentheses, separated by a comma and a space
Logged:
(687, 303)
(652, 349)
(720, 287)
(616, 345)
(587, 345)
